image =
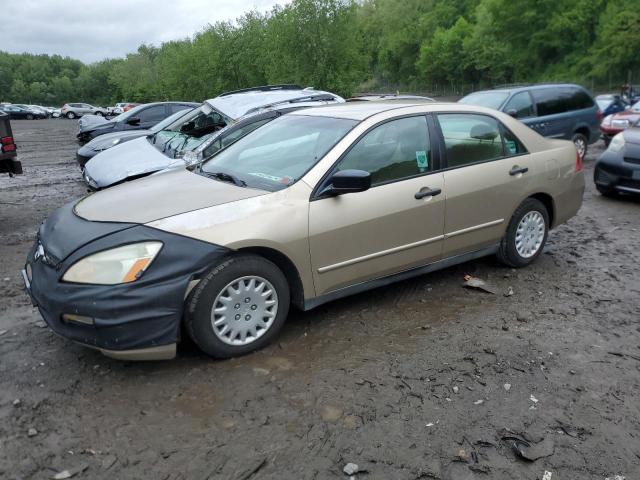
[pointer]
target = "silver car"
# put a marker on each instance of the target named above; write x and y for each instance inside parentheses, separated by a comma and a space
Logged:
(75, 110)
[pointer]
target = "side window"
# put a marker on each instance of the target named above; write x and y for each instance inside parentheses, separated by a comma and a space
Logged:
(470, 138)
(512, 146)
(392, 151)
(234, 135)
(521, 104)
(176, 107)
(152, 114)
(579, 99)
(550, 101)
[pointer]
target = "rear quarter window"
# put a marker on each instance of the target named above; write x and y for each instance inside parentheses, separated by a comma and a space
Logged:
(551, 101)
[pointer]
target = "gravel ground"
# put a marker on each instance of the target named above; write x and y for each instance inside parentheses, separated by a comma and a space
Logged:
(422, 379)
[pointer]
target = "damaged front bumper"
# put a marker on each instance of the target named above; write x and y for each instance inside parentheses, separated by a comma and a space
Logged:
(136, 320)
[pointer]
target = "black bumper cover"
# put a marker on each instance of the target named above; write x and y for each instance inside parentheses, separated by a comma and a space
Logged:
(141, 314)
(617, 172)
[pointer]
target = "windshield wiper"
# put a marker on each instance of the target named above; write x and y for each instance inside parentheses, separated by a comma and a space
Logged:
(225, 177)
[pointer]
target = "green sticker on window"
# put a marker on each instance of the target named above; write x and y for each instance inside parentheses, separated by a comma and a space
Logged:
(422, 160)
(511, 146)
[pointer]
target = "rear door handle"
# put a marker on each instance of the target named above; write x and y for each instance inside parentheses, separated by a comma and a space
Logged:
(518, 170)
(428, 192)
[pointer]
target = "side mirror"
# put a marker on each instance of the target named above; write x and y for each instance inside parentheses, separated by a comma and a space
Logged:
(133, 121)
(512, 112)
(348, 181)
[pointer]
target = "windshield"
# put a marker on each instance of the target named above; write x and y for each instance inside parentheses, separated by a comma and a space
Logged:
(280, 152)
(603, 103)
(485, 99)
(189, 131)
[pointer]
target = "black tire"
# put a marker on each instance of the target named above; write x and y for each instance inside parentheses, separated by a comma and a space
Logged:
(607, 141)
(98, 114)
(607, 192)
(507, 252)
(199, 304)
(70, 115)
(580, 139)
(29, 117)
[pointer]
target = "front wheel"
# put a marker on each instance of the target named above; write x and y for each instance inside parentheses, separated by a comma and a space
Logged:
(607, 192)
(581, 143)
(526, 234)
(99, 114)
(29, 117)
(238, 307)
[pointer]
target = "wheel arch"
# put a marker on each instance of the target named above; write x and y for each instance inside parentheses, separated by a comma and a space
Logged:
(584, 130)
(549, 204)
(288, 268)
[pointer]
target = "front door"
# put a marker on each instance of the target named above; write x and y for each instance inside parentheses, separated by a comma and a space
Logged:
(395, 225)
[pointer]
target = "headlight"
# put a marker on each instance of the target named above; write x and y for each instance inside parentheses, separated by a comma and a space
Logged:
(617, 143)
(118, 265)
(92, 183)
(100, 146)
(607, 120)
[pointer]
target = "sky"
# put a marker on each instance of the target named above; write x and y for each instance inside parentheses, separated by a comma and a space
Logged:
(92, 30)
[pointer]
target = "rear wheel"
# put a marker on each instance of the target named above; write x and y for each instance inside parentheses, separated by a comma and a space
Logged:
(581, 143)
(70, 115)
(29, 117)
(238, 307)
(99, 114)
(526, 234)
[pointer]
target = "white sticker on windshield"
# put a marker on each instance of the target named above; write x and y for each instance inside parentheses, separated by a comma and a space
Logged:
(264, 175)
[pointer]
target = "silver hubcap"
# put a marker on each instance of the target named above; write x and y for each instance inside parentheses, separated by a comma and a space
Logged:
(530, 234)
(580, 146)
(244, 310)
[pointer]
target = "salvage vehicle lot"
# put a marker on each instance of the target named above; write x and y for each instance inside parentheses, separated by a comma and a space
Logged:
(415, 380)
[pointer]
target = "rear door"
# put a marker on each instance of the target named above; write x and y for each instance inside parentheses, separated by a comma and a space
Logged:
(553, 105)
(395, 225)
(487, 169)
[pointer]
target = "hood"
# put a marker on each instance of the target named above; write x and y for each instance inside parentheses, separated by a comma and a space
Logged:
(131, 159)
(107, 139)
(164, 195)
(90, 122)
(629, 114)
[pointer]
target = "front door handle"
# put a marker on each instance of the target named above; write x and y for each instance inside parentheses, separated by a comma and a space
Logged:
(516, 170)
(427, 192)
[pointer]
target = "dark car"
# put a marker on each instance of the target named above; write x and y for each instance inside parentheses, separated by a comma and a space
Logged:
(8, 158)
(564, 111)
(138, 118)
(20, 113)
(618, 168)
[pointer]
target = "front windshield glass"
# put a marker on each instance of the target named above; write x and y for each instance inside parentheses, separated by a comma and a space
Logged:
(280, 152)
(603, 103)
(189, 131)
(485, 99)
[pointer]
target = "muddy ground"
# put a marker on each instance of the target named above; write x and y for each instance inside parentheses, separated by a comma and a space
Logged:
(407, 382)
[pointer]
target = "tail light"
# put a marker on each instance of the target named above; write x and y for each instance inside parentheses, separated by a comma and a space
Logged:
(7, 144)
(600, 115)
(579, 165)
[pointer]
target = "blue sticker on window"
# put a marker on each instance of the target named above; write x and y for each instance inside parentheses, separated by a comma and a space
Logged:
(422, 160)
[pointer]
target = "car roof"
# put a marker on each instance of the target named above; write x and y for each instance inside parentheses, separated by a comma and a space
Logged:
(363, 110)
(239, 103)
(522, 87)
